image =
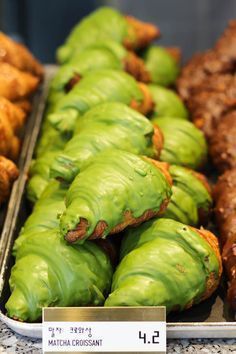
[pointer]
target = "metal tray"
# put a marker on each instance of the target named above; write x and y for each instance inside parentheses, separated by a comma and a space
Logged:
(210, 319)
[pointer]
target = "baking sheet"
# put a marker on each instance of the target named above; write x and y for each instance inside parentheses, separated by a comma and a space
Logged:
(210, 319)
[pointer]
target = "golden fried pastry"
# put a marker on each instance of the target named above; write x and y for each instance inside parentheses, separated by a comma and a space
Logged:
(15, 115)
(8, 173)
(15, 84)
(18, 56)
(9, 143)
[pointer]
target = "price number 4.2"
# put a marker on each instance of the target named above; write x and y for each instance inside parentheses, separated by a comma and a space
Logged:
(154, 338)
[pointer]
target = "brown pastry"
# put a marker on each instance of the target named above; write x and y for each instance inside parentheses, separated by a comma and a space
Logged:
(225, 211)
(15, 84)
(18, 56)
(143, 33)
(8, 173)
(9, 143)
(223, 143)
(15, 115)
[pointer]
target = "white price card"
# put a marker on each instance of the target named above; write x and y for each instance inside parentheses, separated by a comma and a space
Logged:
(104, 330)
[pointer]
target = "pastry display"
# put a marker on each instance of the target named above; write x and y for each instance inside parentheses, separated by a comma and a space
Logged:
(115, 164)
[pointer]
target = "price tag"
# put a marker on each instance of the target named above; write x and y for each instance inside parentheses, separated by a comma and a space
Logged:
(104, 330)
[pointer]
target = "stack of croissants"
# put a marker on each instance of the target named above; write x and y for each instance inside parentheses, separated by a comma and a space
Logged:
(115, 184)
(20, 75)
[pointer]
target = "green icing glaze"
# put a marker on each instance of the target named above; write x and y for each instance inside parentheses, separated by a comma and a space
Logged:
(162, 67)
(50, 139)
(185, 179)
(108, 125)
(40, 175)
(97, 87)
(49, 272)
(184, 144)
(103, 24)
(45, 212)
(164, 263)
(115, 182)
(167, 103)
(182, 207)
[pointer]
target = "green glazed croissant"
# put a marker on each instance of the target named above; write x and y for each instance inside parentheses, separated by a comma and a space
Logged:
(107, 54)
(166, 263)
(162, 64)
(49, 272)
(99, 87)
(191, 199)
(108, 125)
(167, 103)
(183, 143)
(115, 190)
(45, 214)
(50, 144)
(106, 24)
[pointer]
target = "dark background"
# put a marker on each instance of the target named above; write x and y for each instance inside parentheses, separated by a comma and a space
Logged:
(43, 25)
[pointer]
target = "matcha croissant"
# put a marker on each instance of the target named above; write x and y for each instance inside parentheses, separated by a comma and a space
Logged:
(115, 190)
(49, 272)
(108, 125)
(45, 212)
(167, 103)
(166, 263)
(191, 199)
(98, 87)
(107, 24)
(50, 144)
(109, 55)
(183, 143)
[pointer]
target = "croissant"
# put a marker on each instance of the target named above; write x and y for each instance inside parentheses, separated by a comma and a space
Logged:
(167, 103)
(162, 64)
(40, 174)
(116, 190)
(183, 143)
(18, 56)
(191, 198)
(44, 214)
(15, 116)
(108, 54)
(128, 31)
(9, 143)
(48, 272)
(225, 200)
(49, 146)
(8, 174)
(16, 84)
(166, 263)
(108, 125)
(98, 87)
